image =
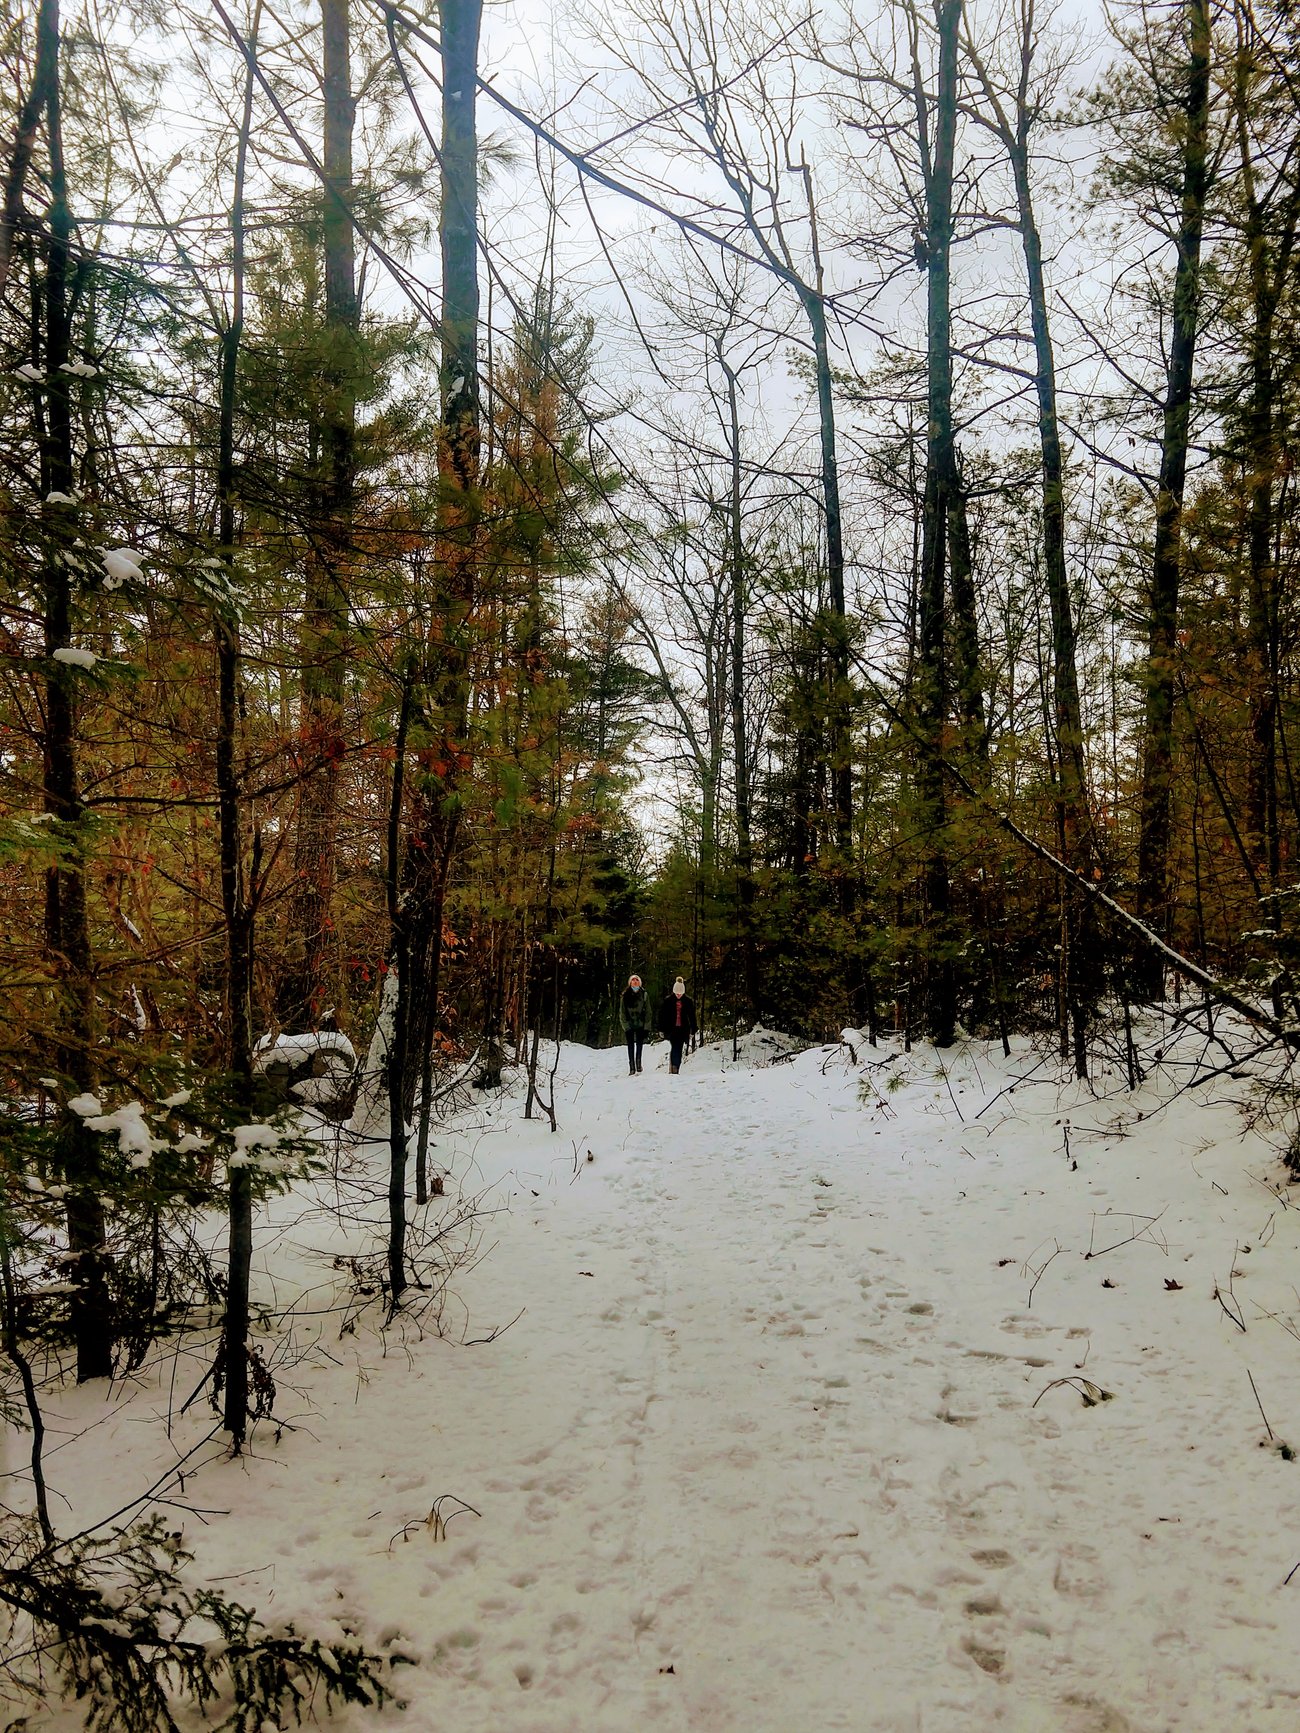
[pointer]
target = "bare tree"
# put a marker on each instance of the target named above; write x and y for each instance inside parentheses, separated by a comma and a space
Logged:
(1156, 799)
(1013, 106)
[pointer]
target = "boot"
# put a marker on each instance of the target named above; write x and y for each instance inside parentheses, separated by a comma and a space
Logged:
(631, 1070)
(638, 1065)
(672, 1070)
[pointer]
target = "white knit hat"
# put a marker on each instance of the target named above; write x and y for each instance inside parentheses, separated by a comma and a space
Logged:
(679, 985)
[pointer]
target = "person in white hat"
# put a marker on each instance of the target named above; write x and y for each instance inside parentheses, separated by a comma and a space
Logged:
(677, 1023)
(634, 1020)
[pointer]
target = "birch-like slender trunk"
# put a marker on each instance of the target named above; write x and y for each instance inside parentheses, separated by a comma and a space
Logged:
(739, 726)
(1013, 122)
(1156, 798)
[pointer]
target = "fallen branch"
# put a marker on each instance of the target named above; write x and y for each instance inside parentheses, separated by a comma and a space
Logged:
(1233, 1311)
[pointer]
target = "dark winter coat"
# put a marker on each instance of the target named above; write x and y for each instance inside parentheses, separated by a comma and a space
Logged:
(670, 1023)
(634, 1012)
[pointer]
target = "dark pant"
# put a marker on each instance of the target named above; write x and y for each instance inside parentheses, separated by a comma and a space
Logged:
(675, 1044)
(634, 1041)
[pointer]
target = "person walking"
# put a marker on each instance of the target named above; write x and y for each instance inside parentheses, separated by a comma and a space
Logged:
(677, 1023)
(634, 1020)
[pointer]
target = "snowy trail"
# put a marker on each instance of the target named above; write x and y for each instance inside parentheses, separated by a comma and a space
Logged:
(791, 1451)
(762, 1453)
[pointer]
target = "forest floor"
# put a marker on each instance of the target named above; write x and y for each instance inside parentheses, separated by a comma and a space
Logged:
(799, 1425)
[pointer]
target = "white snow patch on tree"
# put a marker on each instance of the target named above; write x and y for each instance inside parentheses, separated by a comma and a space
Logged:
(121, 565)
(134, 1137)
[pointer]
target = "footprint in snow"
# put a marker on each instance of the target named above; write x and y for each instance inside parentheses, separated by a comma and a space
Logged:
(1091, 1715)
(986, 1656)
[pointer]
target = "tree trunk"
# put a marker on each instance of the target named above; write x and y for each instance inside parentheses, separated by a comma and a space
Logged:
(67, 931)
(1156, 799)
(310, 981)
(1269, 235)
(739, 729)
(1080, 982)
(443, 760)
(940, 491)
(235, 900)
(965, 624)
(840, 743)
(44, 77)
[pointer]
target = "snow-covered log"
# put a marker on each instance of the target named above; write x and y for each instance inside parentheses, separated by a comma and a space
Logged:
(317, 1069)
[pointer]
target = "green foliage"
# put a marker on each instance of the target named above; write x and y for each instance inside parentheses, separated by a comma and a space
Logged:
(110, 1622)
(151, 1169)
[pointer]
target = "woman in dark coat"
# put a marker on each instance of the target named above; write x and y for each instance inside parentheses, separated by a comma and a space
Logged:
(677, 1023)
(634, 1020)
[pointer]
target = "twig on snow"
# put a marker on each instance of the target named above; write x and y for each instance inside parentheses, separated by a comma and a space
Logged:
(1024, 1077)
(1027, 1268)
(1234, 1310)
(1260, 1406)
(1148, 1222)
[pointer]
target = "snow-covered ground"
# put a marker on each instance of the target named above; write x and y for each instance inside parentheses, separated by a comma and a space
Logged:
(790, 1431)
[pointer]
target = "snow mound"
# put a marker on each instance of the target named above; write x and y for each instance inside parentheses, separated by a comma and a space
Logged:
(759, 1047)
(315, 1069)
